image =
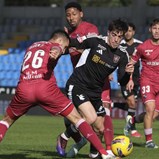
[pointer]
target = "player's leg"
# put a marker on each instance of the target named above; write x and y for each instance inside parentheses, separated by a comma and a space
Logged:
(103, 125)
(88, 112)
(73, 93)
(80, 141)
(15, 109)
(108, 130)
(75, 136)
(150, 107)
(90, 116)
(86, 130)
(131, 102)
(6, 122)
(148, 94)
(108, 125)
(150, 116)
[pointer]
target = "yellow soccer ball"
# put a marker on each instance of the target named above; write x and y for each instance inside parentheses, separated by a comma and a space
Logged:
(122, 146)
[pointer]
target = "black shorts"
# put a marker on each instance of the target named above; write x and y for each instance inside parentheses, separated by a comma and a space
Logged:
(78, 95)
(134, 91)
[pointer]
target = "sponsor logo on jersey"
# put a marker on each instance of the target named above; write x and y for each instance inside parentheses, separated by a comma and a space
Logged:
(32, 75)
(148, 52)
(116, 58)
(95, 58)
(153, 63)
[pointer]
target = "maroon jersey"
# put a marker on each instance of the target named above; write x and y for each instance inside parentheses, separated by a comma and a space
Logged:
(37, 64)
(37, 84)
(84, 28)
(149, 54)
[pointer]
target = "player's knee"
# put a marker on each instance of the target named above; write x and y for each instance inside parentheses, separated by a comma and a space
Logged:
(90, 120)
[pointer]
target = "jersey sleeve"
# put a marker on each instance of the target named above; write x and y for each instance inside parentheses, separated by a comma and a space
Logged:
(136, 54)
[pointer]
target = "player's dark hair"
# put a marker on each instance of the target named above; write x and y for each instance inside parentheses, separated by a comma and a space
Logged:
(60, 33)
(73, 5)
(154, 22)
(118, 25)
(130, 24)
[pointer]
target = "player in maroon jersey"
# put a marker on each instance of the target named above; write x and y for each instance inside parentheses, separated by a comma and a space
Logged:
(37, 86)
(78, 28)
(148, 52)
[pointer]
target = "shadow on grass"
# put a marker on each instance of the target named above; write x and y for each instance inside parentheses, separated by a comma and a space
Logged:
(139, 145)
(25, 154)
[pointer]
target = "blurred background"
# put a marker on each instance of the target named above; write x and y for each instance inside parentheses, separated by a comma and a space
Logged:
(23, 22)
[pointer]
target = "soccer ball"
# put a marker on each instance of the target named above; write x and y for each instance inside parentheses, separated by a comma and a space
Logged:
(121, 146)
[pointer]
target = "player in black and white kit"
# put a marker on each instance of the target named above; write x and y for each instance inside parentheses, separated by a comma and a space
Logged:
(130, 43)
(84, 86)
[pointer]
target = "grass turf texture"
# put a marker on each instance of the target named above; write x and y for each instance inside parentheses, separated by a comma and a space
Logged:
(34, 137)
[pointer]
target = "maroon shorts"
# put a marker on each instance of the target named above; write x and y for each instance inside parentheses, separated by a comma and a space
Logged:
(149, 92)
(42, 93)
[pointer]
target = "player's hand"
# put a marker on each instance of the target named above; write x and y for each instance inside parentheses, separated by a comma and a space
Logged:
(130, 85)
(110, 77)
(55, 52)
(129, 68)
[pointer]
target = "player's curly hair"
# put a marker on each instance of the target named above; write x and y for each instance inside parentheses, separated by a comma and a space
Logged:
(118, 25)
(154, 22)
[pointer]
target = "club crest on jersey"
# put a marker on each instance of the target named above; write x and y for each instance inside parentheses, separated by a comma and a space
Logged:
(116, 58)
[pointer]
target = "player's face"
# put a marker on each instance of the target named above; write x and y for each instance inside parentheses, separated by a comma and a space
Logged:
(73, 17)
(114, 38)
(55, 52)
(64, 43)
(129, 34)
(155, 31)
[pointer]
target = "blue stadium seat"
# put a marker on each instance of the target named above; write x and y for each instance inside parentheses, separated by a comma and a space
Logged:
(9, 75)
(2, 75)
(4, 82)
(11, 50)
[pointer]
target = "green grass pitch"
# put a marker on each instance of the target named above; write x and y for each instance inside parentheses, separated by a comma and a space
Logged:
(34, 137)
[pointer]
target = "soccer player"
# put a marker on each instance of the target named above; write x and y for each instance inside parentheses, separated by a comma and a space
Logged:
(37, 86)
(148, 52)
(130, 43)
(86, 83)
(78, 28)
